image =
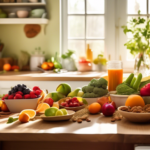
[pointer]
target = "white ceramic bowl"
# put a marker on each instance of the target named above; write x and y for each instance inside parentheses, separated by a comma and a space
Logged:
(135, 117)
(22, 13)
(16, 106)
(91, 100)
(118, 99)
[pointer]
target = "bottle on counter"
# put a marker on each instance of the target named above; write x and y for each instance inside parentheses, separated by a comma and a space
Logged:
(89, 53)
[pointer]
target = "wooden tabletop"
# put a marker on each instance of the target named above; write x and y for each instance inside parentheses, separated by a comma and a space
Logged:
(100, 129)
(40, 76)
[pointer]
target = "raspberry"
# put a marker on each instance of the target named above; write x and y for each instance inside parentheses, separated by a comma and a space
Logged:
(27, 96)
(19, 92)
(32, 93)
(11, 97)
(38, 92)
(36, 88)
(18, 96)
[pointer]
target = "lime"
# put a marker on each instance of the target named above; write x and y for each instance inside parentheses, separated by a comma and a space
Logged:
(59, 113)
(51, 111)
(64, 111)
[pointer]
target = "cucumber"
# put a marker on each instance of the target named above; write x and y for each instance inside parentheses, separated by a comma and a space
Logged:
(129, 79)
(132, 82)
(137, 82)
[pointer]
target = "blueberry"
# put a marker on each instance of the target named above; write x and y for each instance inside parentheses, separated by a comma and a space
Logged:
(18, 85)
(10, 92)
(23, 85)
(20, 89)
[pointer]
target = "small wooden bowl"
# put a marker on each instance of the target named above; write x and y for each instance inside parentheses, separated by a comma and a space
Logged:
(135, 117)
(73, 108)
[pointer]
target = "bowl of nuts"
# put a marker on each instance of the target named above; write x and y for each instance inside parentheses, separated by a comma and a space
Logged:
(136, 114)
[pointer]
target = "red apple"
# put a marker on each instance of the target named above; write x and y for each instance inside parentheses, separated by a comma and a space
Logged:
(108, 109)
(49, 101)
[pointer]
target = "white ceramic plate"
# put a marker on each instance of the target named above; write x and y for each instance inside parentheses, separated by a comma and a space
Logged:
(135, 117)
(58, 118)
(73, 108)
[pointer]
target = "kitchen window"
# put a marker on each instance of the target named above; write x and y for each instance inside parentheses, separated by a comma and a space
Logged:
(87, 22)
(98, 23)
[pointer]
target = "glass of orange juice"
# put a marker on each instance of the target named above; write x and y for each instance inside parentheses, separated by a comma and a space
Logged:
(115, 74)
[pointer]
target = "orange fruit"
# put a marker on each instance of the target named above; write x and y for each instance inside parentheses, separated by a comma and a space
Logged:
(51, 65)
(42, 107)
(4, 107)
(7, 67)
(45, 66)
(135, 100)
(24, 117)
(30, 112)
(94, 108)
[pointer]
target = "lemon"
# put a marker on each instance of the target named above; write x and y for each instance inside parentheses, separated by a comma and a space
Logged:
(59, 113)
(64, 111)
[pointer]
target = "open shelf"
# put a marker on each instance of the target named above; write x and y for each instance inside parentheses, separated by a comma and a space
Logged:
(23, 21)
(22, 4)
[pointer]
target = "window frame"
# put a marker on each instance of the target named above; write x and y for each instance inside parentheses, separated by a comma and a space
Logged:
(109, 40)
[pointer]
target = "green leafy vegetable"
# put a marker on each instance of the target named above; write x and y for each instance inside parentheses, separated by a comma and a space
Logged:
(11, 120)
(68, 54)
(128, 88)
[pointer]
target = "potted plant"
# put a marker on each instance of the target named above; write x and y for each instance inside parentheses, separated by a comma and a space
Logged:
(68, 61)
(139, 44)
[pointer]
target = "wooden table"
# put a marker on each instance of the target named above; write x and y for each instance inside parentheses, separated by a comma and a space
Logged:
(100, 133)
(50, 76)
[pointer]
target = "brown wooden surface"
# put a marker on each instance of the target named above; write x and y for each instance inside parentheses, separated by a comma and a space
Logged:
(100, 129)
(39, 76)
(65, 146)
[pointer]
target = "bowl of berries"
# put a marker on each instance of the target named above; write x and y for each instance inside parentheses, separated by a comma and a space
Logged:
(72, 103)
(20, 97)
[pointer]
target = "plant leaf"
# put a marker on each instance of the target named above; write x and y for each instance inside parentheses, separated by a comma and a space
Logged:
(11, 120)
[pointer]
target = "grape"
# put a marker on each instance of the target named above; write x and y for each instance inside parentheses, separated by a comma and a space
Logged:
(24, 85)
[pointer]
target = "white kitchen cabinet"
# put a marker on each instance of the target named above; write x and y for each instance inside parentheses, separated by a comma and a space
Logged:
(49, 85)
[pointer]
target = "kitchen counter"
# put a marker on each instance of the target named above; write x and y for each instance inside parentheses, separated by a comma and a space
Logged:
(39, 76)
(99, 130)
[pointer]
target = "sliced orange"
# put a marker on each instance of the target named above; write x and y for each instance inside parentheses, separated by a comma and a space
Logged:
(55, 104)
(24, 117)
(42, 107)
(30, 112)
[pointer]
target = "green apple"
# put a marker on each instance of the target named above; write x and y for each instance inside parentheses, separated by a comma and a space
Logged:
(51, 111)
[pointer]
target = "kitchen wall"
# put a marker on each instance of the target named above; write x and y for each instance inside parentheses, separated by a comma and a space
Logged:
(15, 40)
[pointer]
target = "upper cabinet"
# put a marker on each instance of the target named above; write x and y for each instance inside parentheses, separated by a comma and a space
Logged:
(23, 12)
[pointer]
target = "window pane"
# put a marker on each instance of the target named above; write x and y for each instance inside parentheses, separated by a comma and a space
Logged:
(97, 46)
(130, 57)
(78, 46)
(129, 34)
(76, 27)
(135, 5)
(76, 7)
(95, 6)
(95, 27)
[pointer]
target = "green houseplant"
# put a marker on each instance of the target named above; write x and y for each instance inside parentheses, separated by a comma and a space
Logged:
(138, 45)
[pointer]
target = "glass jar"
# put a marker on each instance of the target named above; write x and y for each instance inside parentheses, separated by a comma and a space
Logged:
(115, 74)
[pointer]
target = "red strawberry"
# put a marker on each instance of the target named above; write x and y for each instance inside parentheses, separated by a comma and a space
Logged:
(18, 96)
(38, 92)
(33, 96)
(36, 88)
(5, 96)
(19, 92)
(27, 96)
(32, 93)
(11, 97)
